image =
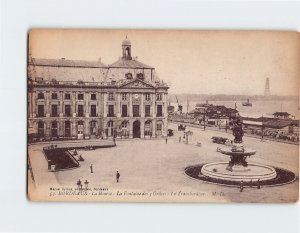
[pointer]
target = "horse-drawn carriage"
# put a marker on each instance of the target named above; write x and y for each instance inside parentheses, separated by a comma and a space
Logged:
(181, 127)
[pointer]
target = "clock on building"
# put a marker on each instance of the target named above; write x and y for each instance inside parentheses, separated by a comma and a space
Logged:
(136, 96)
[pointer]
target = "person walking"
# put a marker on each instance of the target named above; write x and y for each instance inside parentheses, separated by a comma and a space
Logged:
(79, 184)
(118, 176)
(179, 139)
(166, 139)
(241, 186)
(258, 184)
(91, 167)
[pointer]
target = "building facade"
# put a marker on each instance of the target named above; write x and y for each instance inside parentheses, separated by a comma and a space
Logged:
(83, 99)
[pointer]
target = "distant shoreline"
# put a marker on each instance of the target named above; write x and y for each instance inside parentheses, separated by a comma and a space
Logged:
(223, 97)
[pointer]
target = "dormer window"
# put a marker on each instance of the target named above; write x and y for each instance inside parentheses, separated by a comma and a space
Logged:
(140, 76)
(128, 75)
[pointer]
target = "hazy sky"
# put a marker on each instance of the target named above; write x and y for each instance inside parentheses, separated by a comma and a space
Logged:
(201, 62)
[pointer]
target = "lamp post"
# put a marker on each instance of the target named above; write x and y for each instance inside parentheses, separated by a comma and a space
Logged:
(262, 128)
(204, 117)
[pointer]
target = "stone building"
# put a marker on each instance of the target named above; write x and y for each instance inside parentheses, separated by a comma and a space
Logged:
(85, 99)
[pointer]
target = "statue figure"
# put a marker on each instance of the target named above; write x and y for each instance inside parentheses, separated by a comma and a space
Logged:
(238, 131)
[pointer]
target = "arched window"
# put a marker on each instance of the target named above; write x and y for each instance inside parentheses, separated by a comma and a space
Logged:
(127, 52)
(124, 129)
(124, 124)
(148, 128)
(110, 124)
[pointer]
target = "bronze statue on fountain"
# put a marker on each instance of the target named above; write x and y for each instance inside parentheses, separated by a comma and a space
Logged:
(237, 152)
(237, 131)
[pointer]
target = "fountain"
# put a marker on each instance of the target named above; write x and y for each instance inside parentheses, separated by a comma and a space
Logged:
(238, 169)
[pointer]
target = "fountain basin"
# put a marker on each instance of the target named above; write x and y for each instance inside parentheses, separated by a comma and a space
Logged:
(253, 172)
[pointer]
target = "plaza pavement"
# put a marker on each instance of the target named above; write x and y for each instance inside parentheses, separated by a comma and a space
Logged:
(153, 165)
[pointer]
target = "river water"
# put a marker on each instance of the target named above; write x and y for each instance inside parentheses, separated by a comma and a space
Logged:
(259, 107)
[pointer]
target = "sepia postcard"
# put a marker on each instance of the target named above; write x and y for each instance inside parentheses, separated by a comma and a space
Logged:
(163, 116)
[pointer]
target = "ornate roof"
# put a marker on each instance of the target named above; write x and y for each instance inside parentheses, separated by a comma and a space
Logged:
(126, 42)
(67, 63)
(124, 63)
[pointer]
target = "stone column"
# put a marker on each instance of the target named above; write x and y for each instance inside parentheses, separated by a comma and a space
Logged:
(165, 122)
(142, 105)
(130, 104)
(32, 104)
(61, 103)
(118, 102)
(74, 131)
(154, 128)
(47, 101)
(165, 105)
(48, 129)
(60, 128)
(87, 106)
(130, 128)
(98, 105)
(105, 104)
(153, 105)
(142, 128)
(86, 128)
(74, 110)
(104, 128)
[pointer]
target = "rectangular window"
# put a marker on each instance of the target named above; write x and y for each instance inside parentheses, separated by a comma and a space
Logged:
(124, 96)
(110, 110)
(54, 96)
(111, 96)
(68, 110)
(136, 110)
(80, 96)
(158, 96)
(158, 127)
(159, 110)
(80, 110)
(124, 110)
(147, 110)
(54, 111)
(67, 96)
(40, 96)
(93, 111)
(148, 96)
(40, 110)
(93, 96)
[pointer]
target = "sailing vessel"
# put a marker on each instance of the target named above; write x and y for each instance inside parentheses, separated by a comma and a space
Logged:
(247, 104)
